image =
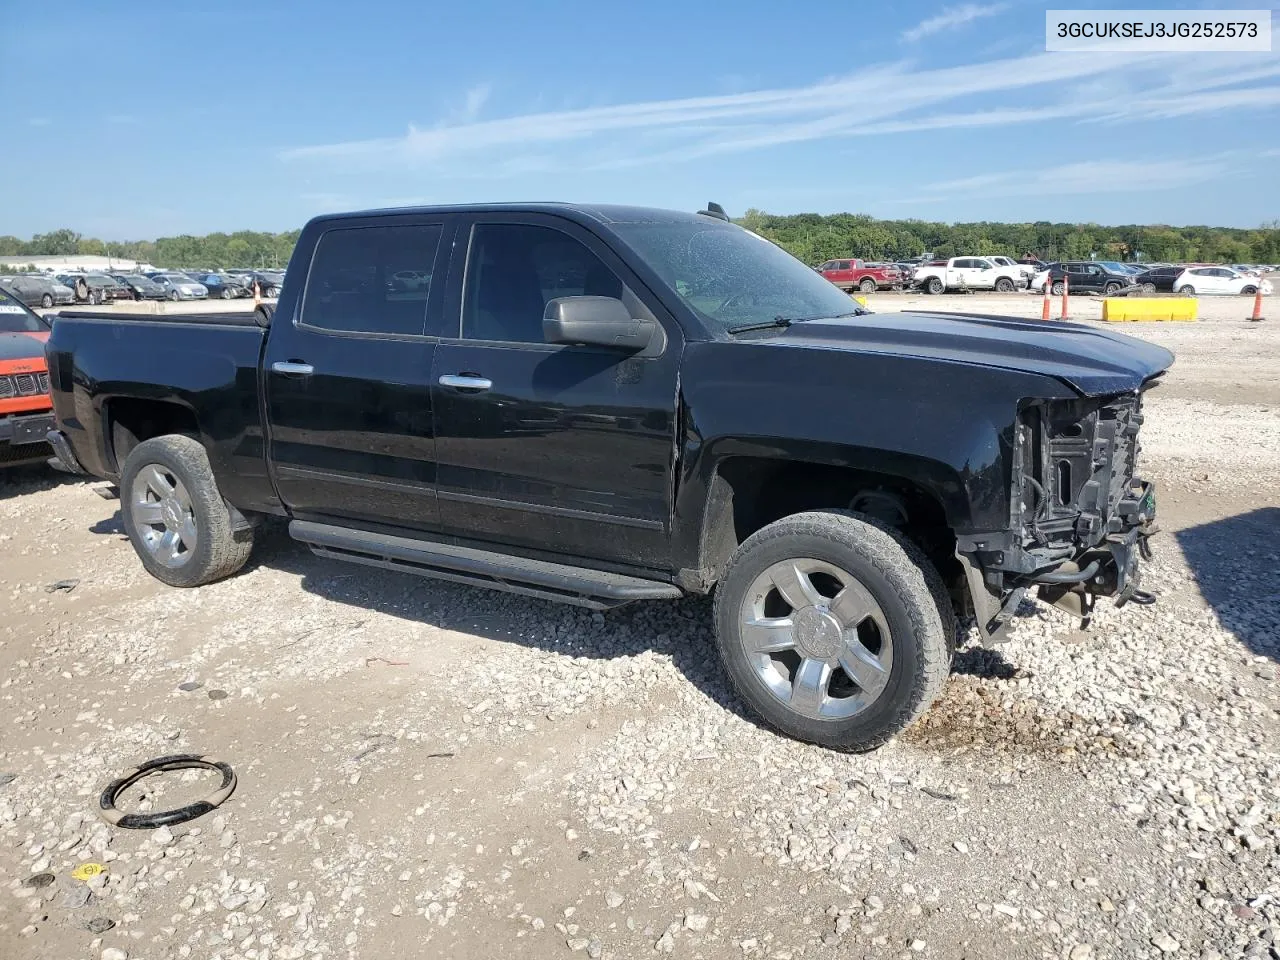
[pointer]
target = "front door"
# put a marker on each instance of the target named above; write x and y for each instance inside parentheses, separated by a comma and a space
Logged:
(565, 449)
(348, 377)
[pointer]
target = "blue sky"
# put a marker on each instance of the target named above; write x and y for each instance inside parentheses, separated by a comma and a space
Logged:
(128, 121)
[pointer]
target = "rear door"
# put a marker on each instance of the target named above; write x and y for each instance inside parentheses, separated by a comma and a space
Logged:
(563, 449)
(348, 376)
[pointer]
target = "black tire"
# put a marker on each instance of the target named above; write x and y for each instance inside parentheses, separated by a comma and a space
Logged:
(95, 297)
(1249, 291)
(935, 286)
(226, 293)
(1187, 290)
(1111, 289)
(1005, 285)
(902, 581)
(46, 301)
(1057, 288)
(219, 552)
(1148, 289)
(867, 285)
(173, 296)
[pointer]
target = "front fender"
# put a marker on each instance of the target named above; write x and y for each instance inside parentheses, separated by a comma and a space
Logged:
(945, 427)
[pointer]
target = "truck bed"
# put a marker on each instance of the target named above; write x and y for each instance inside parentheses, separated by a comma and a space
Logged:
(202, 369)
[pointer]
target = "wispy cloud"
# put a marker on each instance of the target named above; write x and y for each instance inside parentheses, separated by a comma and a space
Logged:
(952, 17)
(40, 121)
(475, 100)
(882, 100)
(1092, 176)
(126, 119)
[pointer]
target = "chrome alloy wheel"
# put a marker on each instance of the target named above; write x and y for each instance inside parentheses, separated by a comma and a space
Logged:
(817, 638)
(161, 510)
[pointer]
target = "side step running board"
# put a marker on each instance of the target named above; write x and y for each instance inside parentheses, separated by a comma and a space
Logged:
(500, 571)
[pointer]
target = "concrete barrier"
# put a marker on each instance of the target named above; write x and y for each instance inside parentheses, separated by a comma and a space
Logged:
(1145, 309)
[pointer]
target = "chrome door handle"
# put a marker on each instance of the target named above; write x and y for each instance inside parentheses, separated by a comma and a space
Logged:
(292, 369)
(465, 383)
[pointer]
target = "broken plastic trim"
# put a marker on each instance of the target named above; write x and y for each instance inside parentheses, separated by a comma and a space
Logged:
(150, 821)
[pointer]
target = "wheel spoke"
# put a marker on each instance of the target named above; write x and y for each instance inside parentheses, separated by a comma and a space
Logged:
(852, 605)
(157, 482)
(768, 634)
(187, 533)
(809, 687)
(148, 512)
(180, 494)
(795, 586)
(864, 667)
(167, 549)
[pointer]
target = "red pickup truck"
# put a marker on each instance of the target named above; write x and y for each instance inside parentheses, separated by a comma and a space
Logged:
(860, 275)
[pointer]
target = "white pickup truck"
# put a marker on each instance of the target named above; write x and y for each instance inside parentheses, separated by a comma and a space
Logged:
(968, 273)
(1026, 269)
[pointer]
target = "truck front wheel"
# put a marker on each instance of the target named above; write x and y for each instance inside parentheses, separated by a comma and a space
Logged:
(935, 285)
(1004, 285)
(834, 629)
(174, 515)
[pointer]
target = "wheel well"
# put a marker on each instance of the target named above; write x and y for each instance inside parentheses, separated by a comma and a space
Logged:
(749, 493)
(131, 421)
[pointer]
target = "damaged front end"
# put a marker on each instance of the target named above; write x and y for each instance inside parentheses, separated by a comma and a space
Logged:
(1080, 516)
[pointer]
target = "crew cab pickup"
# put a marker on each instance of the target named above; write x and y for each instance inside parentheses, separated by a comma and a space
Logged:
(969, 273)
(565, 406)
(859, 275)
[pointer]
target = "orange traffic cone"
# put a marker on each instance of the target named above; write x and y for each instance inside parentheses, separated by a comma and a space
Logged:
(1257, 306)
(1065, 291)
(1044, 307)
(257, 294)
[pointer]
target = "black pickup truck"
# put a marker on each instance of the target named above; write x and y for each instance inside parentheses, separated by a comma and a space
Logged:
(602, 404)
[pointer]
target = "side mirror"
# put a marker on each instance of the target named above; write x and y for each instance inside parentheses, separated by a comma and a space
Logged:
(597, 322)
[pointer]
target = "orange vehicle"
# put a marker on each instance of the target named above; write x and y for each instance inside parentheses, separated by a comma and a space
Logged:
(26, 412)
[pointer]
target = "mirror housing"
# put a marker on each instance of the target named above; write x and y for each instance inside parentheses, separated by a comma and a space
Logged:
(596, 322)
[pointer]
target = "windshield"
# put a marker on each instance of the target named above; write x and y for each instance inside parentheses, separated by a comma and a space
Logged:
(731, 277)
(16, 318)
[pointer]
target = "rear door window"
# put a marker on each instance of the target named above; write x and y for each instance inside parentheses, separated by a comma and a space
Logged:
(358, 281)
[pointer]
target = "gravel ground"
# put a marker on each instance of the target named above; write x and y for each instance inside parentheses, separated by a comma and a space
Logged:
(431, 770)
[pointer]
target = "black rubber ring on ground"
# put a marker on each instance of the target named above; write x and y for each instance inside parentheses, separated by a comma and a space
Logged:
(149, 821)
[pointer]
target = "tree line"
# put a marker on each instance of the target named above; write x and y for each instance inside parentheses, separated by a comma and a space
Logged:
(814, 238)
(244, 248)
(810, 236)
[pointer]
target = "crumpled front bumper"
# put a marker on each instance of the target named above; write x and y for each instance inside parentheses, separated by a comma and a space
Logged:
(1109, 568)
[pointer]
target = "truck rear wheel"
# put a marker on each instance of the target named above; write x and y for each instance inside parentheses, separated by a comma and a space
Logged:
(834, 629)
(867, 285)
(935, 285)
(174, 515)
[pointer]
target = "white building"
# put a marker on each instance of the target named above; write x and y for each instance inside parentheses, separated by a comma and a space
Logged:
(75, 263)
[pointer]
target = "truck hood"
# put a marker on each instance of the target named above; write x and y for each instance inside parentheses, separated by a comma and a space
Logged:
(1093, 362)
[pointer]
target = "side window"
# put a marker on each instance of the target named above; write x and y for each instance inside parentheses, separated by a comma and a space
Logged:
(372, 279)
(983, 264)
(514, 270)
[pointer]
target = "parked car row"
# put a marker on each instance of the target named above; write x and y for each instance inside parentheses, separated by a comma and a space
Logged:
(1110, 278)
(1005, 275)
(48, 291)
